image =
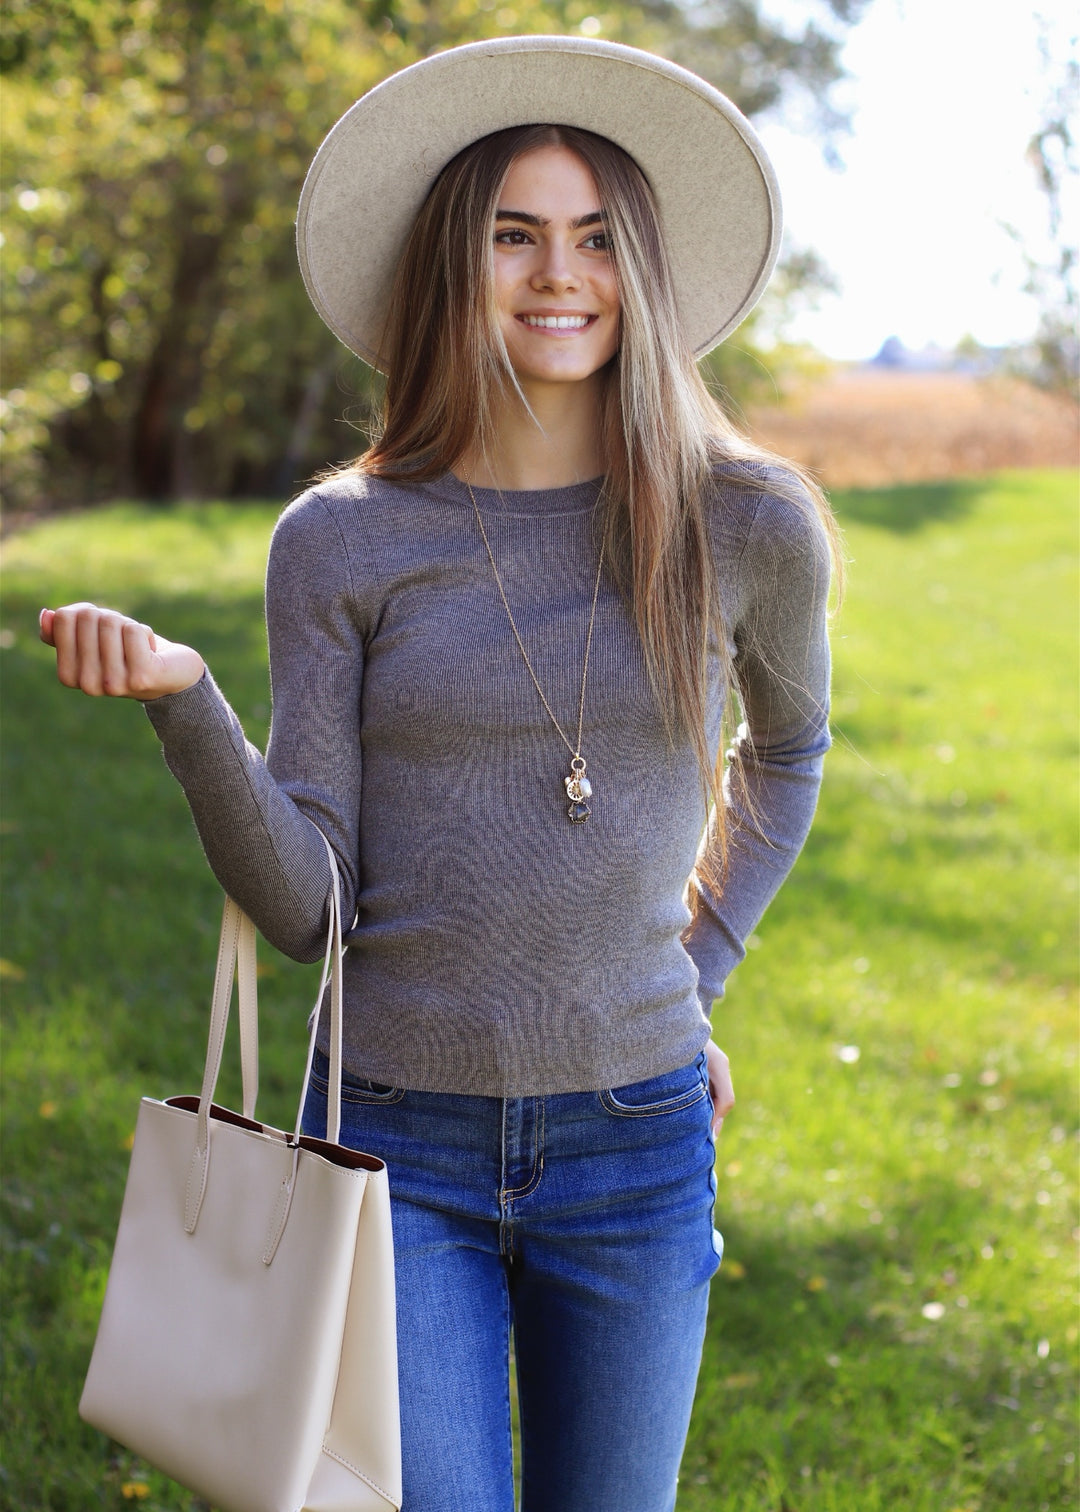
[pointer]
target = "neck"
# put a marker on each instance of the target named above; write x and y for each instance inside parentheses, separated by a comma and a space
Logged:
(558, 444)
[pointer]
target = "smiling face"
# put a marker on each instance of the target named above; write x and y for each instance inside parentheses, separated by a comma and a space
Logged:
(555, 290)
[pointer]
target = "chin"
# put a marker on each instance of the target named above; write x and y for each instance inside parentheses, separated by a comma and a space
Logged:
(558, 373)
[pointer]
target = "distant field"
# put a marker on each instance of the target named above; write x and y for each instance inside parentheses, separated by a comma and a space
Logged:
(864, 428)
(894, 1328)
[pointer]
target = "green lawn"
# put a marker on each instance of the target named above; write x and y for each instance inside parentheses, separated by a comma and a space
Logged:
(894, 1327)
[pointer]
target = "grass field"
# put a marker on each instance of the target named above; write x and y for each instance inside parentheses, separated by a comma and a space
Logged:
(894, 1328)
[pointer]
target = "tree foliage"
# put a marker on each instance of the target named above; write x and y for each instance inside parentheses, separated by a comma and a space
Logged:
(1052, 279)
(158, 338)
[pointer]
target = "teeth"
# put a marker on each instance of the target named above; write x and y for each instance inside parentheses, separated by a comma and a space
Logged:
(557, 322)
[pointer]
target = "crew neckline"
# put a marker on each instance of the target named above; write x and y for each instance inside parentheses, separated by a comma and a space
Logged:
(572, 498)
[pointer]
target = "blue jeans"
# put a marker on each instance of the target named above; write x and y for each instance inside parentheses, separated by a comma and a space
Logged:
(580, 1224)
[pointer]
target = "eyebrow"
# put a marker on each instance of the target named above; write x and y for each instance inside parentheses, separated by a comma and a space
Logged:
(593, 218)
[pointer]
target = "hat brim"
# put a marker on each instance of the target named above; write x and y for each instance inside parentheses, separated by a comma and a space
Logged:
(715, 187)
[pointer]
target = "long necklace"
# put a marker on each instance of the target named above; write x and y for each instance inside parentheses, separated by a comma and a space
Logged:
(577, 785)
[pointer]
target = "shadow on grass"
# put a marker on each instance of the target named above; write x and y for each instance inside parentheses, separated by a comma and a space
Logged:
(907, 509)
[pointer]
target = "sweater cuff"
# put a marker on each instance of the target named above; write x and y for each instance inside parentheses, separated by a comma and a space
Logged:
(192, 708)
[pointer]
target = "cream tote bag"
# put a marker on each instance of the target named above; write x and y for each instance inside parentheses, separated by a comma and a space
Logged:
(247, 1342)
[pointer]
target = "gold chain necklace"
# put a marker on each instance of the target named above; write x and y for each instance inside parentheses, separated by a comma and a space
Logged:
(577, 785)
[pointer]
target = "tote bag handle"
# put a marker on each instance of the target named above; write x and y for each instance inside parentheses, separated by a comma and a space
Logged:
(332, 969)
(238, 946)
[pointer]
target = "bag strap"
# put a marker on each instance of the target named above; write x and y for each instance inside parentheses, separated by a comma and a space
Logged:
(237, 948)
(332, 969)
(247, 993)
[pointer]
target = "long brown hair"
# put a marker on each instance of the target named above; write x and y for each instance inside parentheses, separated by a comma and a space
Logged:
(664, 436)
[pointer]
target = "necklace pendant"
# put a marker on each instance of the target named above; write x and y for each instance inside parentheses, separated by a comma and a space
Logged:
(578, 787)
(578, 791)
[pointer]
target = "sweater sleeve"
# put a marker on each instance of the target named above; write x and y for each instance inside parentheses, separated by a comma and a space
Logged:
(253, 814)
(770, 788)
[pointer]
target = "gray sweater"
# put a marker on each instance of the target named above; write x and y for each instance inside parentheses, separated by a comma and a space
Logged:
(497, 948)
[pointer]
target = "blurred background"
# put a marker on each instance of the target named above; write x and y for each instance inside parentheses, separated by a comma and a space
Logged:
(159, 344)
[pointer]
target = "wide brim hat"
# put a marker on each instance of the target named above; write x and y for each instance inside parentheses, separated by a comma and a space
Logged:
(714, 185)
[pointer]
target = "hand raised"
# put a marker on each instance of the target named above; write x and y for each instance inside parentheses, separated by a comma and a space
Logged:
(107, 654)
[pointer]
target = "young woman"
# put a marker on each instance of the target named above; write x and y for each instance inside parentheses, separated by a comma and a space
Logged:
(502, 643)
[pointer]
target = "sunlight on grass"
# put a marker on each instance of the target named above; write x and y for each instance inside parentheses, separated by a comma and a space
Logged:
(210, 549)
(894, 1326)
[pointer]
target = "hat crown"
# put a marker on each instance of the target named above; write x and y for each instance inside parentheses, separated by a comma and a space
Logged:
(719, 203)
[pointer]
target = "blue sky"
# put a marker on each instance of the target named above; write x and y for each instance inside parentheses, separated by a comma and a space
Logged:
(944, 96)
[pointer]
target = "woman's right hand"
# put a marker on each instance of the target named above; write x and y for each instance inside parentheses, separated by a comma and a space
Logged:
(107, 654)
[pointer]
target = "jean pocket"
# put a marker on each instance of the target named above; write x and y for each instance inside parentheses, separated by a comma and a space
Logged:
(354, 1089)
(669, 1093)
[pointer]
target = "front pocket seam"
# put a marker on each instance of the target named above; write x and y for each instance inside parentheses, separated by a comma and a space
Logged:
(358, 1094)
(652, 1110)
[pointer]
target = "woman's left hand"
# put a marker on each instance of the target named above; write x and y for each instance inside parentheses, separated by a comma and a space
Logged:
(720, 1089)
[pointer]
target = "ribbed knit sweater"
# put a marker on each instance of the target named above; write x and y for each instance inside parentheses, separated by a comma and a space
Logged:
(499, 949)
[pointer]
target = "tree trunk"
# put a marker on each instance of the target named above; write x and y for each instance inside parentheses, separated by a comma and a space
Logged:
(172, 378)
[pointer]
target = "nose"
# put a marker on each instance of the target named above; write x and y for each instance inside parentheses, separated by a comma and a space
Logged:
(556, 271)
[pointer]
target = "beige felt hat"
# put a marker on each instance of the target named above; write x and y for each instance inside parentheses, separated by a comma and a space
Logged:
(717, 193)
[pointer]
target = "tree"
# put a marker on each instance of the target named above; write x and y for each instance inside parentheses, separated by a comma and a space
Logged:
(158, 338)
(1052, 279)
